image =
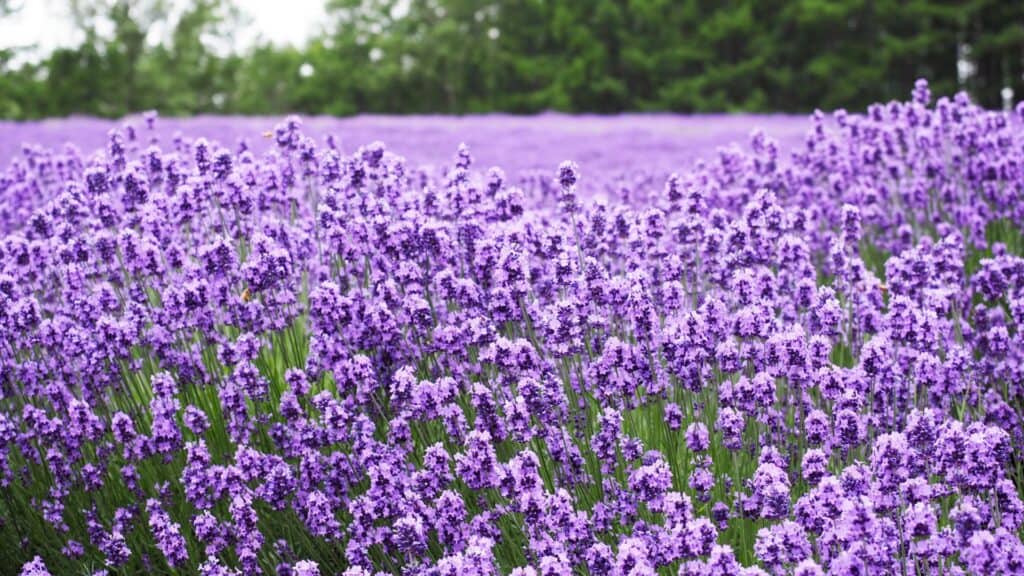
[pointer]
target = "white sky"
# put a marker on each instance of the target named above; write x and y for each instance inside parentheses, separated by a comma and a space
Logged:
(46, 24)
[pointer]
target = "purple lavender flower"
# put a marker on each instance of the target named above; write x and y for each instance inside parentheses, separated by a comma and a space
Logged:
(673, 417)
(771, 488)
(478, 465)
(697, 438)
(167, 534)
(568, 177)
(35, 567)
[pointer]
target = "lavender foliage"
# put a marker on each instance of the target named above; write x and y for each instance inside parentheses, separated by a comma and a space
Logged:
(299, 358)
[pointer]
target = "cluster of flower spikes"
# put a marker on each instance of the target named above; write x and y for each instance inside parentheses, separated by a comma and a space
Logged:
(317, 362)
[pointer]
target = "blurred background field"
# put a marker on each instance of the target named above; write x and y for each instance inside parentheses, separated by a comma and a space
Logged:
(614, 145)
(111, 58)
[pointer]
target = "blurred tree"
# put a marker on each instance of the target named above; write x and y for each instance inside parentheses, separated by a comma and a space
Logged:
(189, 76)
(116, 57)
(135, 55)
(459, 56)
(994, 31)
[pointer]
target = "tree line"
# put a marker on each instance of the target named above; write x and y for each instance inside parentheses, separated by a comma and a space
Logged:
(522, 56)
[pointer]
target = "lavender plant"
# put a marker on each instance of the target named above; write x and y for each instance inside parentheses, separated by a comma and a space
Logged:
(314, 361)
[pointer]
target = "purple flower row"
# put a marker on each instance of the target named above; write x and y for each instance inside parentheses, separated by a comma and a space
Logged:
(314, 361)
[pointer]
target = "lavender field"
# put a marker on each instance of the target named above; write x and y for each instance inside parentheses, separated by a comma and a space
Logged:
(604, 143)
(537, 346)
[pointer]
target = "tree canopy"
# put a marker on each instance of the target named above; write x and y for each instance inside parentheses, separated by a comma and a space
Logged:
(465, 56)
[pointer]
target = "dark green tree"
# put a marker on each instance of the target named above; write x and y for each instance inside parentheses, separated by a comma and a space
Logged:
(465, 56)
